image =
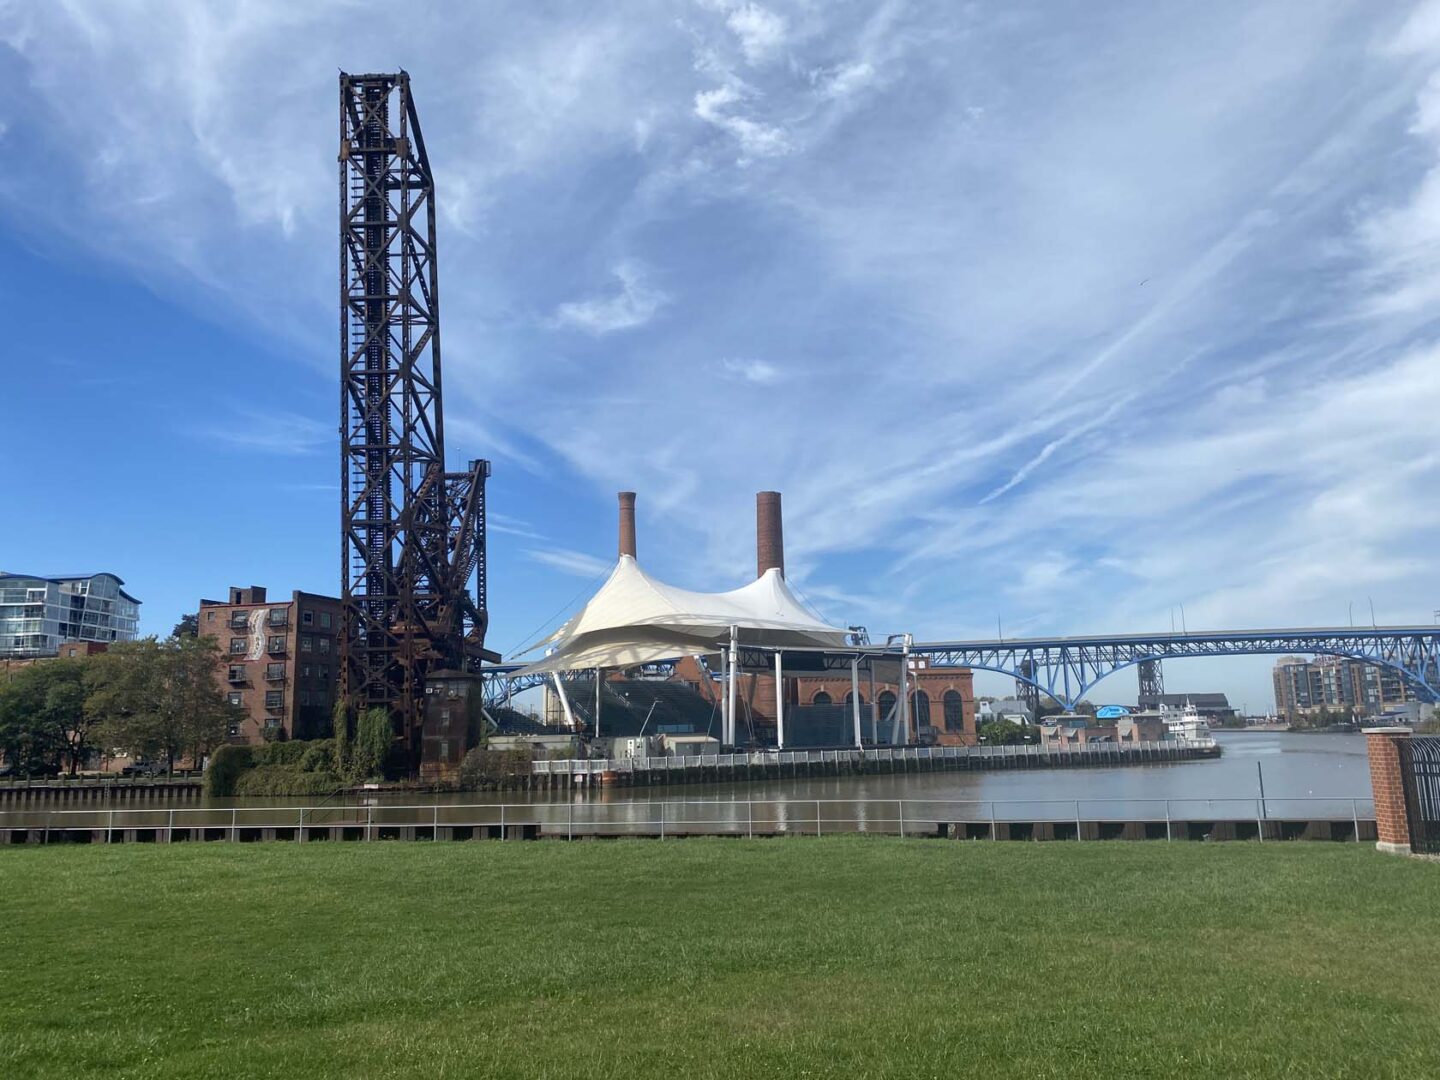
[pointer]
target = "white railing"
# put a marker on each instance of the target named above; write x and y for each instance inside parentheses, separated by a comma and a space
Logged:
(671, 817)
(760, 758)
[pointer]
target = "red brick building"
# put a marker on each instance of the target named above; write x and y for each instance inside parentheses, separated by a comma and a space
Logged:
(280, 662)
(942, 699)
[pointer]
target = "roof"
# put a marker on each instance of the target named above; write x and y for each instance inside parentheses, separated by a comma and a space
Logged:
(61, 578)
(635, 618)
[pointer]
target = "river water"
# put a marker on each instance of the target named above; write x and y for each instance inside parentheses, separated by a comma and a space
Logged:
(1303, 776)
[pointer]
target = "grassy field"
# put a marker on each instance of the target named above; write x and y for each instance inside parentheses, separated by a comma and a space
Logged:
(835, 957)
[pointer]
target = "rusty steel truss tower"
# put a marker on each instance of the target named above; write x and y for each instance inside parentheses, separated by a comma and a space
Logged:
(413, 535)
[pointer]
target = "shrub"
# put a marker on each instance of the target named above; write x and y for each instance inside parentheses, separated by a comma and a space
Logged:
(319, 756)
(280, 753)
(227, 765)
(286, 780)
(483, 766)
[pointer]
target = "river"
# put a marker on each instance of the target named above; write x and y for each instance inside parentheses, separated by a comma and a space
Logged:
(1303, 776)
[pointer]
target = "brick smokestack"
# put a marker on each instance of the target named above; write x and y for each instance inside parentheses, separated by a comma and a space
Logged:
(769, 533)
(627, 523)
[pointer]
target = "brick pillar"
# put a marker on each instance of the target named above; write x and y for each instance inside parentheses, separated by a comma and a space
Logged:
(627, 523)
(769, 534)
(1392, 826)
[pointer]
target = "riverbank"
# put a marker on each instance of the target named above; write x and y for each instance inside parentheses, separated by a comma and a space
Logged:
(834, 957)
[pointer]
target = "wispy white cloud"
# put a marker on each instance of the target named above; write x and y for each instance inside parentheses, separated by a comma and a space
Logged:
(760, 372)
(269, 432)
(635, 304)
(574, 563)
(755, 138)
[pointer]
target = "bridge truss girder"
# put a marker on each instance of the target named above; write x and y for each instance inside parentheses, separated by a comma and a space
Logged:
(1068, 668)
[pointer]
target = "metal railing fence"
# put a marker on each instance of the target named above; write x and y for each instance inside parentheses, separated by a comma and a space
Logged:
(901, 754)
(675, 817)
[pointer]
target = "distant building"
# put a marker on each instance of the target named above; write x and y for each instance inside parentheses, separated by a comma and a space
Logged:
(38, 613)
(1012, 709)
(1071, 730)
(1214, 707)
(281, 660)
(1304, 687)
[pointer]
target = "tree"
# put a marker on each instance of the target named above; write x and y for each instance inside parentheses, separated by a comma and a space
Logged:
(373, 736)
(1001, 733)
(188, 626)
(160, 698)
(32, 715)
(340, 722)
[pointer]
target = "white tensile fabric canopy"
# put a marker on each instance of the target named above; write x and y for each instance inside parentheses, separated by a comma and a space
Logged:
(635, 619)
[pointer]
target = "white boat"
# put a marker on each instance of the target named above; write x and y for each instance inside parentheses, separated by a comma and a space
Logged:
(1187, 725)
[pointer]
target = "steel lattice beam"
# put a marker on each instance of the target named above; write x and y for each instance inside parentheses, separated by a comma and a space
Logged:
(1068, 668)
(413, 535)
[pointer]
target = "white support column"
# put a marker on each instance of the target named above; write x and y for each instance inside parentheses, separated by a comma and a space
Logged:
(902, 713)
(779, 701)
(597, 703)
(564, 701)
(730, 690)
(855, 699)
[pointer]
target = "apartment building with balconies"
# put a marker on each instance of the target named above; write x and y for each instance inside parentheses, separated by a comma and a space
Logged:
(281, 662)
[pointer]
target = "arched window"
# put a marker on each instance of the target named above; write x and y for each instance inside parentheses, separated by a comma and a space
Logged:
(886, 701)
(821, 698)
(850, 698)
(954, 706)
(919, 709)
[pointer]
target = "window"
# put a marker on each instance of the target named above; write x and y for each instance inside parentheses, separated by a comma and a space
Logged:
(821, 698)
(886, 701)
(235, 697)
(274, 699)
(235, 730)
(274, 672)
(325, 620)
(237, 644)
(850, 697)
(324, 644)
(954, 707)
(919, 709)
(306, 644)
(277, 643)
(210, 616)
(324, 674)
(308, 618)
(236, 673)
(305, 671)
(304, 697)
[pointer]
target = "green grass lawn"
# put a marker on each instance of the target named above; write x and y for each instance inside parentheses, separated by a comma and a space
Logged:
(834, 957)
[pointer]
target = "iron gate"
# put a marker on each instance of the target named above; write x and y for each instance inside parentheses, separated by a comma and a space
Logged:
(1420, 776)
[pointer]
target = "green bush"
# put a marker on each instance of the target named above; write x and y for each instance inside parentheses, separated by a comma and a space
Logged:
(281, 753)
(319, 756)
(227, 765)
(286, 780)
(483, 766)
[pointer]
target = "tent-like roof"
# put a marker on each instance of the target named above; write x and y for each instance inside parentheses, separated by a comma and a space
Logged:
(636, 619)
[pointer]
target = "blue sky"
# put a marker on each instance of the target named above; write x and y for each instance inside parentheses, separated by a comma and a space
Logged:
(1057, 315)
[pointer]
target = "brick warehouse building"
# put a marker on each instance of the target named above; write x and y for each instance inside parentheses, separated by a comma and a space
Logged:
(942, 699)
(280, 660)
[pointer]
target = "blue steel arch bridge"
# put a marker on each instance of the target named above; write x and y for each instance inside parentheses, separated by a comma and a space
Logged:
(1067, 668)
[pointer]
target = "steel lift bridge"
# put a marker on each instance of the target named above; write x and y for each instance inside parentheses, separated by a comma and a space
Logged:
(1067, 668)
(413, 534)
